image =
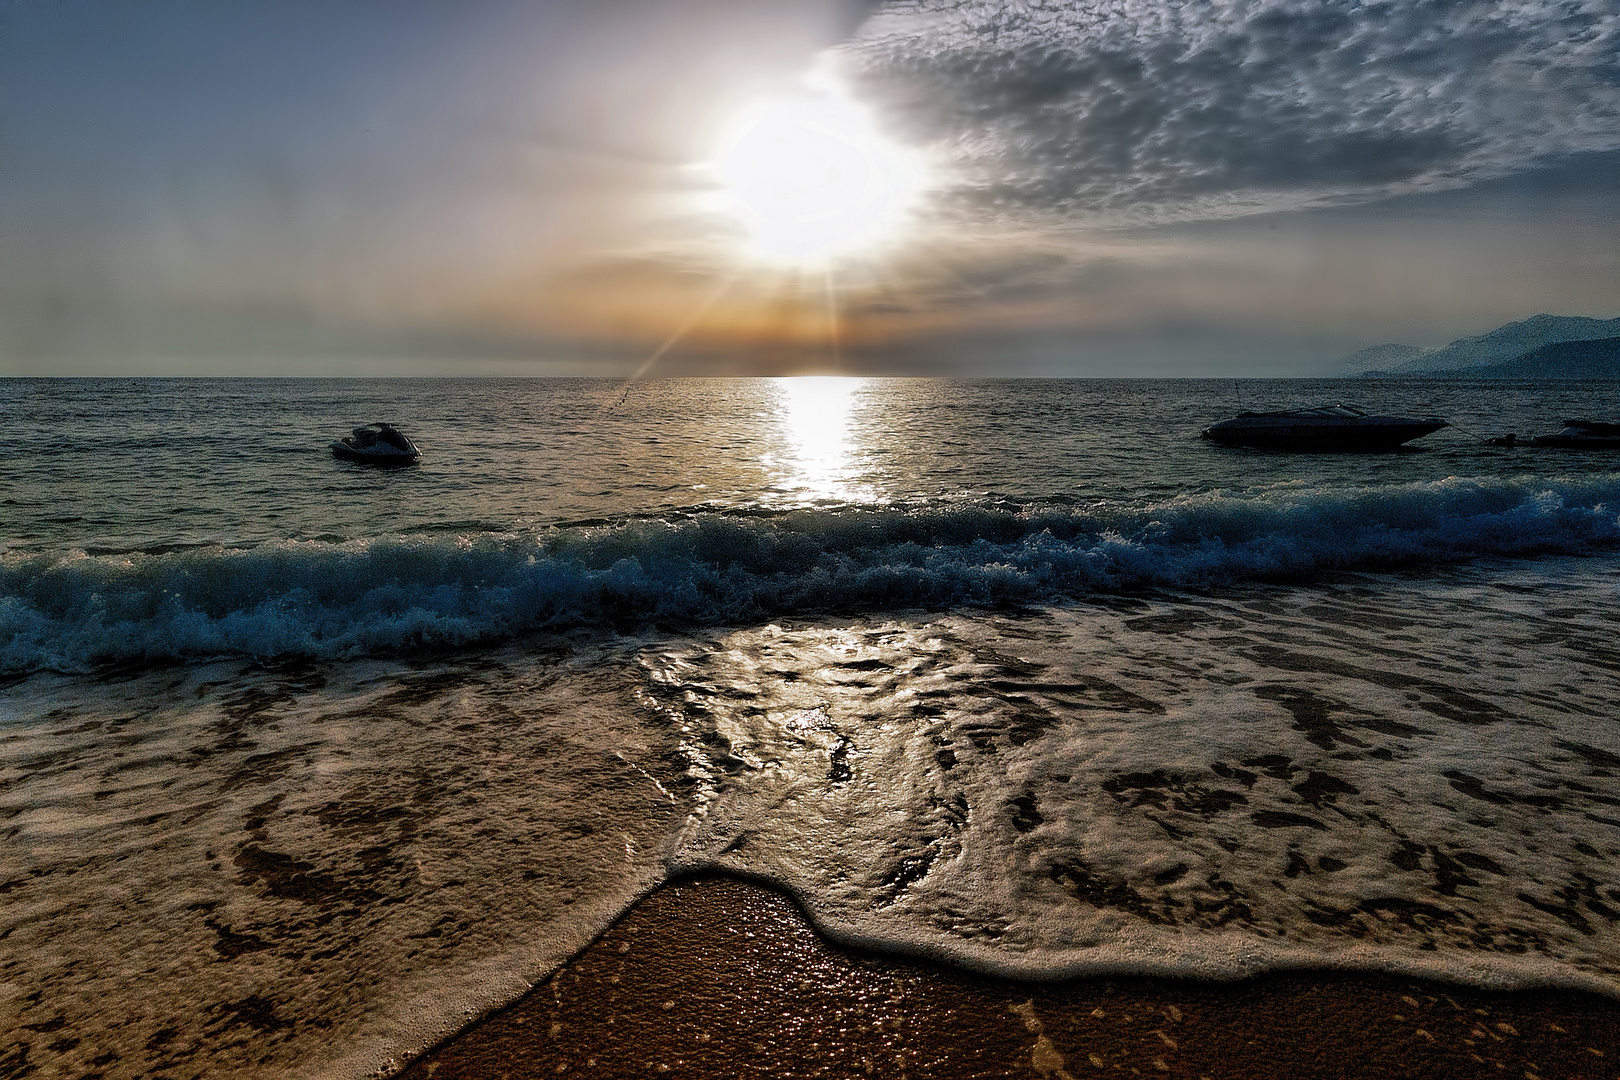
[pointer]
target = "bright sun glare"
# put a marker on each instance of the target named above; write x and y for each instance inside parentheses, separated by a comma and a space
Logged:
(818, 413)
(813, 179)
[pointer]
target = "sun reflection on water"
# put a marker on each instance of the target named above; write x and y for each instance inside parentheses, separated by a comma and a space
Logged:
(817, 414)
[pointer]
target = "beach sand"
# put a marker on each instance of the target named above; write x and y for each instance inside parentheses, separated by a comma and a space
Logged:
(719, 978)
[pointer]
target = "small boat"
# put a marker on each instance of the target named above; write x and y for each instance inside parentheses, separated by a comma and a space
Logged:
(1583, 435)
(376, 444)
(1330, 427)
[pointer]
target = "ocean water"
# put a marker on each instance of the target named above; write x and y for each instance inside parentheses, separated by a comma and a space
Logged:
(307, 764)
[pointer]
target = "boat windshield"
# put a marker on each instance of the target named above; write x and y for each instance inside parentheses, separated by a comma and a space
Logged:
(369, 435)
(393, 438)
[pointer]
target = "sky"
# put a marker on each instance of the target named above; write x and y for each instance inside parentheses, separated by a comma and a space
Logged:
(669, 187)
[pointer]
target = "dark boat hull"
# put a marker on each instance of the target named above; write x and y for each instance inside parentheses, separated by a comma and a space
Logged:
(1337, 437)
(345, 452)
(1583, 435)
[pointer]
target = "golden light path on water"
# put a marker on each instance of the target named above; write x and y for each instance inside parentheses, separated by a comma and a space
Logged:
(817, 460)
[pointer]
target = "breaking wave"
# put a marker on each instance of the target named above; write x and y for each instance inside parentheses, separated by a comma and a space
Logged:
(78, 612)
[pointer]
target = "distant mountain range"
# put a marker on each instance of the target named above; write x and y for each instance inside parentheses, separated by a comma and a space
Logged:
(1381, 359)
(1599, 359)
(1543, 346)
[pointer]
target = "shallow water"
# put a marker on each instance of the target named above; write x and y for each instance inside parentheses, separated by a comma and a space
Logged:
(307, 764)
(1406, 774)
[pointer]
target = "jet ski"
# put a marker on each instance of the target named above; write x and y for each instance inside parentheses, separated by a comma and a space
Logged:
(376, 444)
(1583, 435)
(1331, 427)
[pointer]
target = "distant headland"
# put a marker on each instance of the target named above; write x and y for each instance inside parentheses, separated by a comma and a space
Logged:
(1540, 347)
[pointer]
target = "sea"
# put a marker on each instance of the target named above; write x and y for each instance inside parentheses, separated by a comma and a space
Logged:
(307, 764)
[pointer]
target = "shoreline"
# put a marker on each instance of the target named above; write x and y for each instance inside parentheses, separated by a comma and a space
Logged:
(714, 976)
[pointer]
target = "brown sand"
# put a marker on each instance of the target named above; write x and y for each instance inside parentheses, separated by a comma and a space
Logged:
(717, 978)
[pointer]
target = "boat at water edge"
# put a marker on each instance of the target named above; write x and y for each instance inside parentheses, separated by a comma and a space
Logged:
(1334, 428)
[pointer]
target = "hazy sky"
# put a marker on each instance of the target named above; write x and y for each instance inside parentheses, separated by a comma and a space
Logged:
(492, 186)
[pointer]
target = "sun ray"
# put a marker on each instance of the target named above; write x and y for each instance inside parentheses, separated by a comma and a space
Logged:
(832, 322)
(671, 341)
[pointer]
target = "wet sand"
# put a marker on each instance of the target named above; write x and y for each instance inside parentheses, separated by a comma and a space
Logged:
(718, 978)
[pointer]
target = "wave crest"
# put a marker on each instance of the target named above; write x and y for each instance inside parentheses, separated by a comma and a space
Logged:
(76, 612)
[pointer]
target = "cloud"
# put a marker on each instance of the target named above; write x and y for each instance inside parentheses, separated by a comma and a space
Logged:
(1138, 111)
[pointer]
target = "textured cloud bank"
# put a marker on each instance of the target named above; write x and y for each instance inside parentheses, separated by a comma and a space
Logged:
(1155, 110)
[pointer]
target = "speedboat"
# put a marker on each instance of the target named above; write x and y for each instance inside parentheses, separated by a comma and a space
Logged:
(376, 444)
(1583, 435)
(1330, 427)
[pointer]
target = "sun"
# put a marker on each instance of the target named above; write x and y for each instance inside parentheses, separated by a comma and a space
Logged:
(813, 179)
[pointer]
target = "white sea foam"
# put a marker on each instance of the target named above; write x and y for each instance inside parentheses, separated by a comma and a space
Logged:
(312, 872)
(76, 612)
(1415, 778)
(316, 869)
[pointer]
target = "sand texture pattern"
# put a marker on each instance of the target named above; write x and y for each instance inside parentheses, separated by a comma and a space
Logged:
(715, 977)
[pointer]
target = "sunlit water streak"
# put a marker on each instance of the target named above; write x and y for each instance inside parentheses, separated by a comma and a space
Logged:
(305, 765)
(819, 432)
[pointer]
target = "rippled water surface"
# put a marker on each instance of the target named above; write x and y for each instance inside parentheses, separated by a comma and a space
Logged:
(306, 764)
(135, 464)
